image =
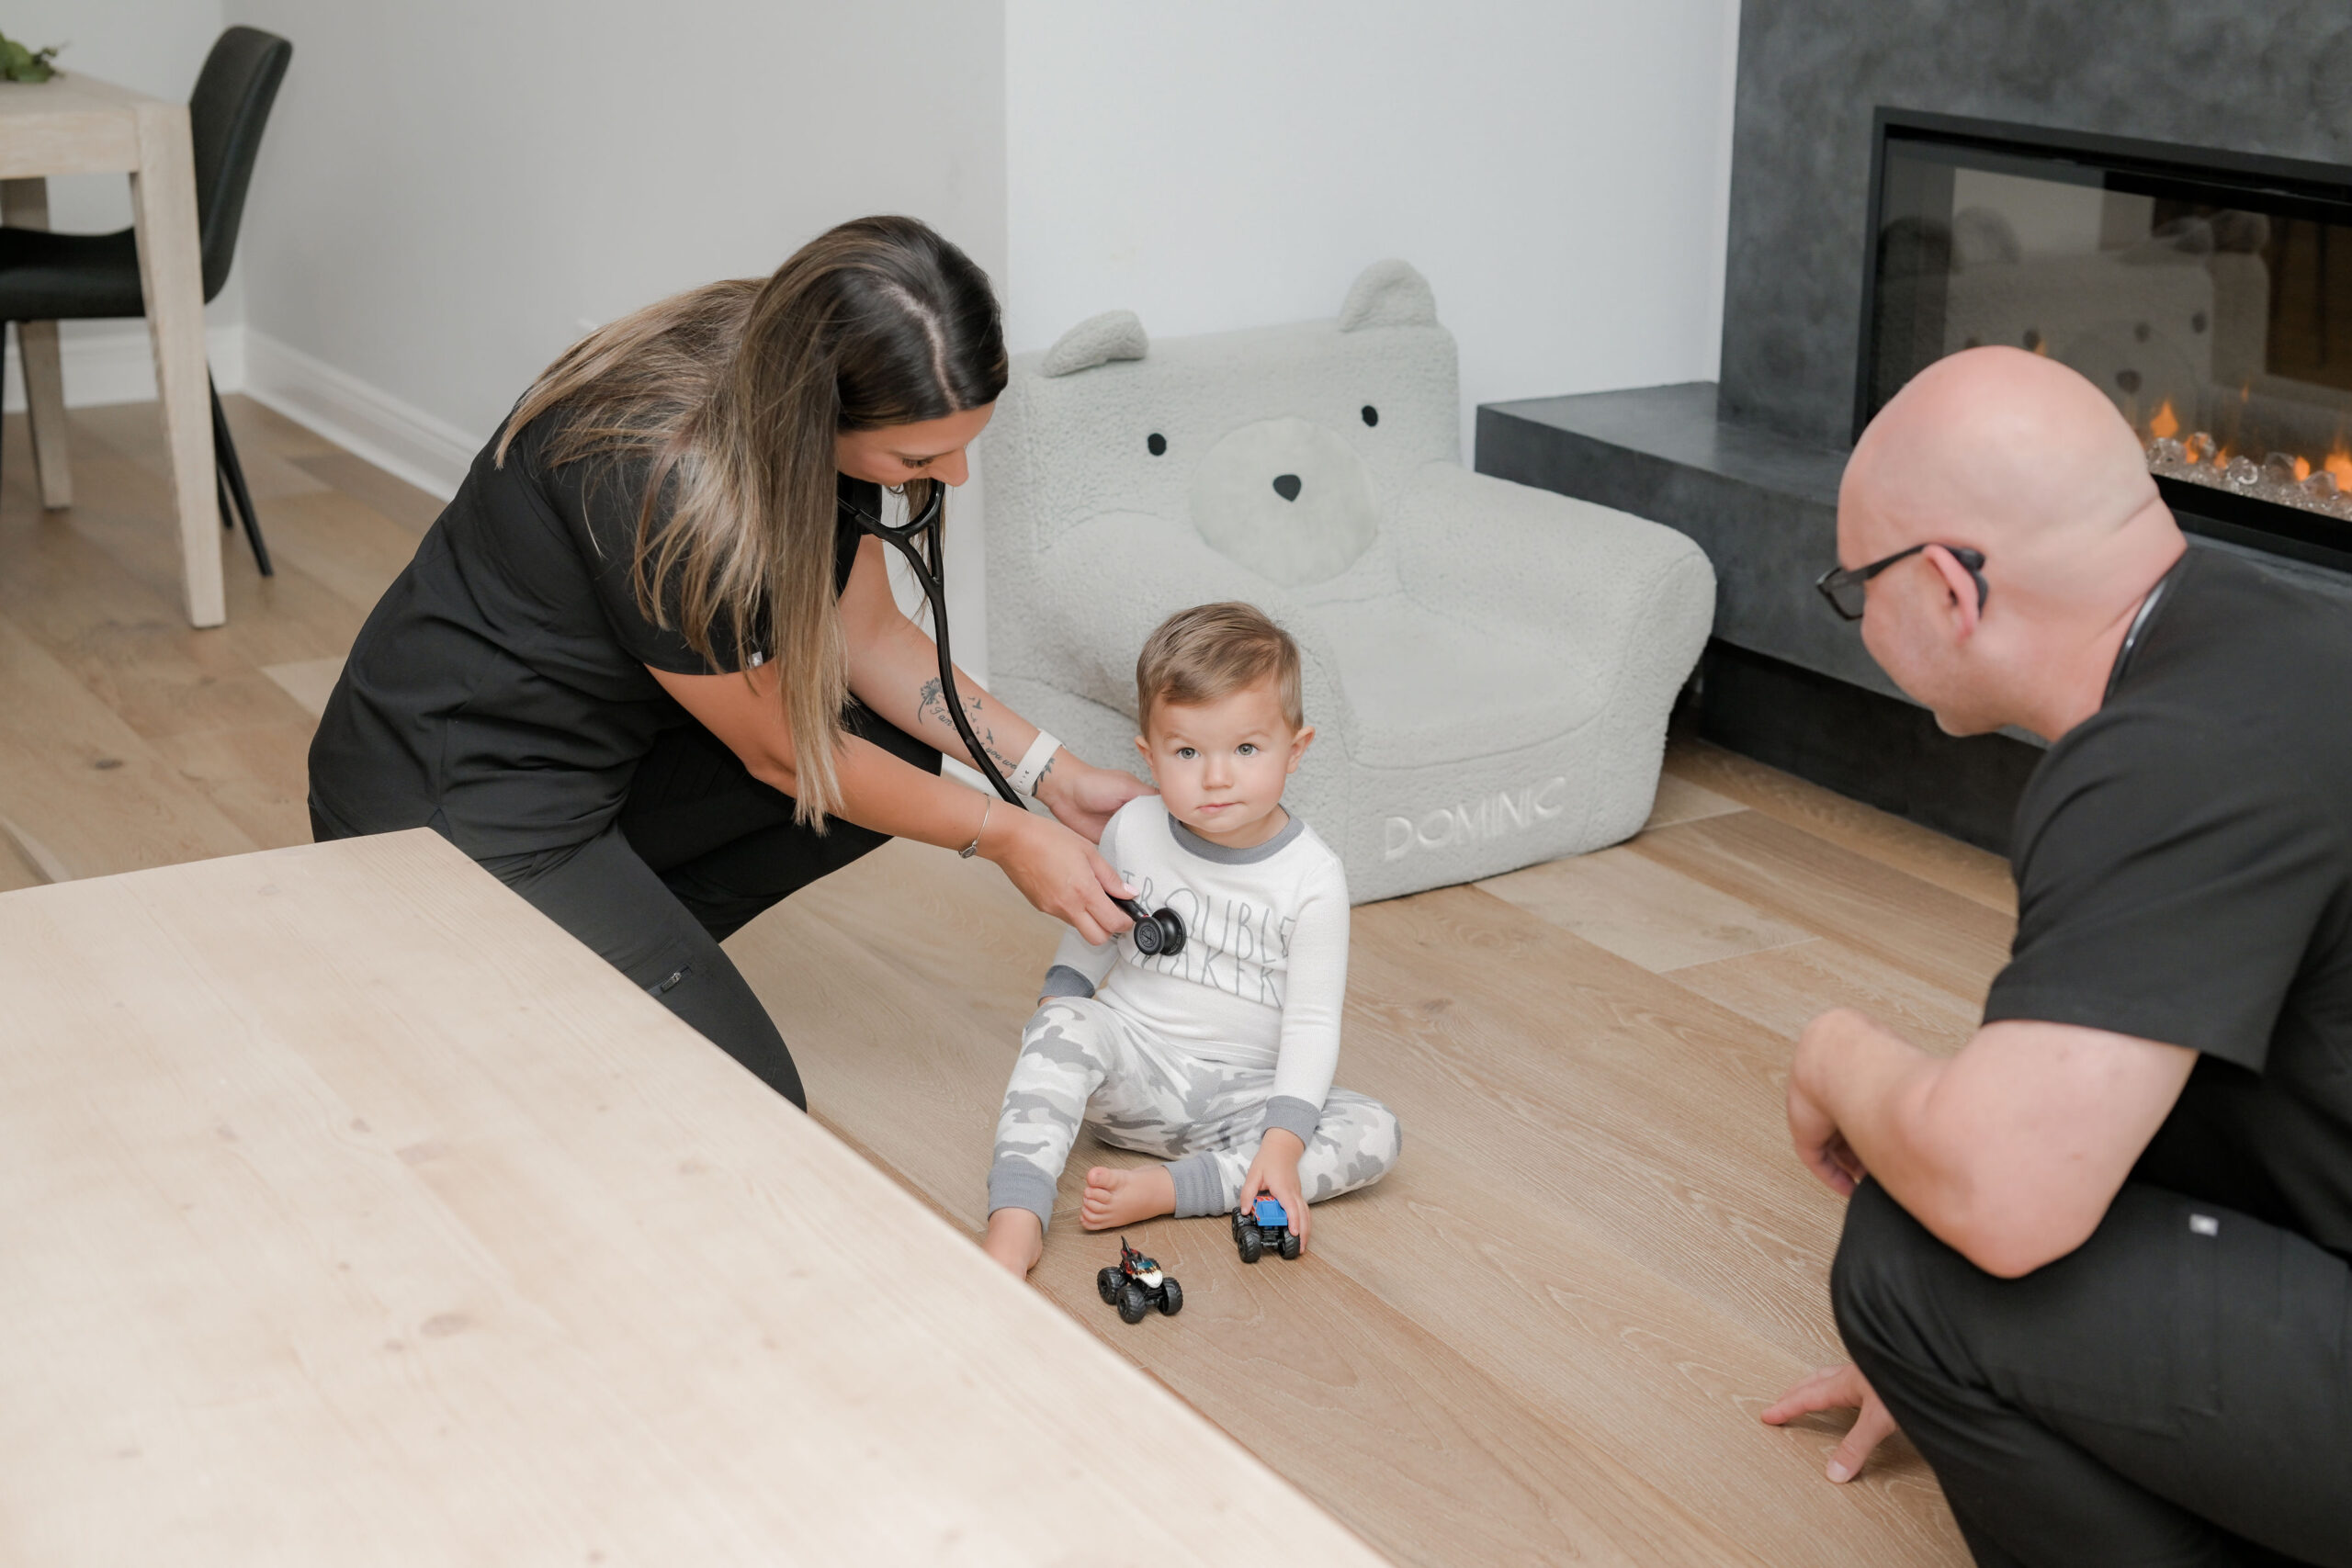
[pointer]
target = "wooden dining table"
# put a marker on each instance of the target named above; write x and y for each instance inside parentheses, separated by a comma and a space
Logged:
(351, 1211)
(76, 124)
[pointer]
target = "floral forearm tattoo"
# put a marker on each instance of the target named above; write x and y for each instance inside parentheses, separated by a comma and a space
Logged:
(932, 705)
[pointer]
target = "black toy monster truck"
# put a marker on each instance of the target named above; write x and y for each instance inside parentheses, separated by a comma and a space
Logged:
(1136, 1286)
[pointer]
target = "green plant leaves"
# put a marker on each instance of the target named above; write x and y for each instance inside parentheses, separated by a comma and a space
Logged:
(18, 64)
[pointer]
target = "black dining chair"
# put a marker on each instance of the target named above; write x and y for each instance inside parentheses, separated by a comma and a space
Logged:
(76, 277)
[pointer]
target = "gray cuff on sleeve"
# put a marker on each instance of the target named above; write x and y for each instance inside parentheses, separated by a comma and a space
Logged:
(1293, 1114)
(1062, 980)
(1200, 1189)
(1017, 1184)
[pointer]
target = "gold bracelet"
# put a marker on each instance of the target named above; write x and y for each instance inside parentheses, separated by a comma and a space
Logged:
(988, 804)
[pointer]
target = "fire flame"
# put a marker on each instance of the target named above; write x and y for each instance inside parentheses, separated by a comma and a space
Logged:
(2200, 449)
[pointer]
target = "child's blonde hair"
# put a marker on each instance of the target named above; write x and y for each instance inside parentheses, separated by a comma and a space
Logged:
(1213, 651)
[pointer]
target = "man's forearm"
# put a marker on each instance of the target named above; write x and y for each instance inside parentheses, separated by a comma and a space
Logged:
(2009, 1151)
(1879, 1089)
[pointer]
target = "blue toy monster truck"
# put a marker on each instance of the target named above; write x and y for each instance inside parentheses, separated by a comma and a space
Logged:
(1136, 1286)
(1263, 1229)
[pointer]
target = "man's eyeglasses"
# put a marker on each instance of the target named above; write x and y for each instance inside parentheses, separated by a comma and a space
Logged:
(1843, 586)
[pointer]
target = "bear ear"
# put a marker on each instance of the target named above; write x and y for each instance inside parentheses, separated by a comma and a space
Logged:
(1114, 335)
(1388, 294)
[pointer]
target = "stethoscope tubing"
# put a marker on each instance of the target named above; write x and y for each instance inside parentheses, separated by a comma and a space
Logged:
(930, 566)
(931, 576)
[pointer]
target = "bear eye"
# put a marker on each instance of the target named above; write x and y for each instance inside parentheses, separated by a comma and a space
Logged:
(1155, 444)
(1371, 414)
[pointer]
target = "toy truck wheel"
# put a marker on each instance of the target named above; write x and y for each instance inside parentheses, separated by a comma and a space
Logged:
(1253, 1243)
(1107, 1283)
(1133, 1304)
(1171, 1299)
(1240, 1223)
(1290, 1246)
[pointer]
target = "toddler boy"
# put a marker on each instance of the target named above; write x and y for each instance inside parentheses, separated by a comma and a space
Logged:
(1217, 1058)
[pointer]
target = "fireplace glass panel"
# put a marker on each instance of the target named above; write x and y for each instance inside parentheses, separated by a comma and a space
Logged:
(2213, 308)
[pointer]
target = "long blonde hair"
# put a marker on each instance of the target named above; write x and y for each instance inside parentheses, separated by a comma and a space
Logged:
(732, 395)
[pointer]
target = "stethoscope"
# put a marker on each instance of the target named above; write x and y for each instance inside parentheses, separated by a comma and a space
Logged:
(2139, 624)
(920, 540)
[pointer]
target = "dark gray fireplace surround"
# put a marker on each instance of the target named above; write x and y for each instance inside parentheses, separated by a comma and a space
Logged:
(1749, 469)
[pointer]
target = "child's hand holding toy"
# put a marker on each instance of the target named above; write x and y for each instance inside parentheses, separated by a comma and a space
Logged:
(1275, 1172)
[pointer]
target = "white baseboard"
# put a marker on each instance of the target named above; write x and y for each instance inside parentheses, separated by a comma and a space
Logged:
(114, 362)
(363, 420)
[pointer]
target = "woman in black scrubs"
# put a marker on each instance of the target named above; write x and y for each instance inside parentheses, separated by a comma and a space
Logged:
(647, 669)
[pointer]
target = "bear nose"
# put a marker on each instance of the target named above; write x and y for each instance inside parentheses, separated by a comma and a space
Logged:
(1287, 486)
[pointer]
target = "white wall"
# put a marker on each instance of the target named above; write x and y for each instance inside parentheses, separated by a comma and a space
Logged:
(1558, 168)
(152, 46)
(452, 187)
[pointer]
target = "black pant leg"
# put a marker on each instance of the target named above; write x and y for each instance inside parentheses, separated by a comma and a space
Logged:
(2176, 1391)
(723, 843)
(603, 894)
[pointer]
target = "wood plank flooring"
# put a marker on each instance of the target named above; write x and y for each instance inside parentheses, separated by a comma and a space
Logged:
(1544, 1338)
(127, 738)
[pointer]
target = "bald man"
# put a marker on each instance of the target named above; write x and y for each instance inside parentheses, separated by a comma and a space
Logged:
(2096, 1264)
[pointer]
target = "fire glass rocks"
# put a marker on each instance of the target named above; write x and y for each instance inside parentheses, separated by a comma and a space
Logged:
(2195, 286)
(2281, 477)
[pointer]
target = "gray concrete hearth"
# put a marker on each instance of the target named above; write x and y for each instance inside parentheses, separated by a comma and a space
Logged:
(1762, 504)
(1785, 680)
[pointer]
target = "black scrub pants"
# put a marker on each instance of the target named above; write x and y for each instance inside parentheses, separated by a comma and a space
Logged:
(2178, 1390)
(699, 849)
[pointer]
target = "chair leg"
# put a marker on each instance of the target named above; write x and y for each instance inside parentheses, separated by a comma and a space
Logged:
(45, 412)
(231, 475)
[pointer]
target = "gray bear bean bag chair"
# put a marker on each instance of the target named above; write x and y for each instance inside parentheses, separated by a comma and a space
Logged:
(1488, 667)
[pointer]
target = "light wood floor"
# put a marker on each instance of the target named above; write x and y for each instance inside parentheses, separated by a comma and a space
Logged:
(1543, 1340)
(127, 738)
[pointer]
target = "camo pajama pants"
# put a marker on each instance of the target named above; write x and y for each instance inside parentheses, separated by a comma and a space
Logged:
(1203, 1110)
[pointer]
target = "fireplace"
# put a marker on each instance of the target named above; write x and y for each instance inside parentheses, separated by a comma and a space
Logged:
(2207, 293)
(2107, 235)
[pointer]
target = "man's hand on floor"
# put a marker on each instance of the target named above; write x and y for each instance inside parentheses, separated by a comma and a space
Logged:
(1840, 1388)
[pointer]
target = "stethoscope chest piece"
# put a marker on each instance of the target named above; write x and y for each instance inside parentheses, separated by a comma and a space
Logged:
(1158, 933)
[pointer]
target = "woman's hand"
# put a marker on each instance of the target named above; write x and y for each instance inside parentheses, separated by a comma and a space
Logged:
(1057, 871)
(1275, 1171)
(1083, 797)
(1840, 1388)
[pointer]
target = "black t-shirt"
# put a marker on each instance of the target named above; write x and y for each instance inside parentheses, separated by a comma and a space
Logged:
(499, 691)
(2184, 870)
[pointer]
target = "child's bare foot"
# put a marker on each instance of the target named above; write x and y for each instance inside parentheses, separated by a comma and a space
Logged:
(1016, 1240)
(1123, 1197)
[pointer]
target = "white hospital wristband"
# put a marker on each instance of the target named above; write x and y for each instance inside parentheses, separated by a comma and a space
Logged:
(1032, 763)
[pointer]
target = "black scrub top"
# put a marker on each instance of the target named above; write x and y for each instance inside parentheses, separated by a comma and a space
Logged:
(2184, 869)
(499, 692)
